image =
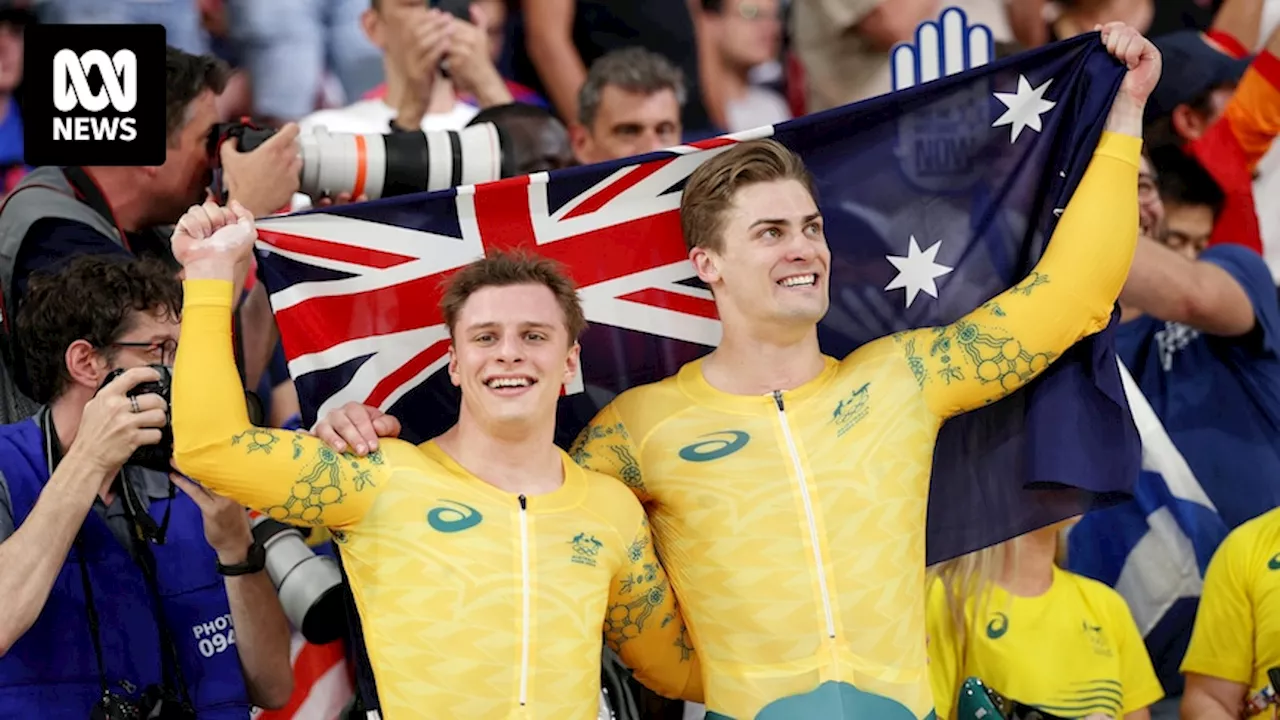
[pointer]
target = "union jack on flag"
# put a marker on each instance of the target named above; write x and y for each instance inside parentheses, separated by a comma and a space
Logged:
(355, 288)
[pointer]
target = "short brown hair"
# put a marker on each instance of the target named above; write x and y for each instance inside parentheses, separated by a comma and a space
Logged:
(713, 185)
(633, 69)
(91, 298)
(186, 76)
(503, 269)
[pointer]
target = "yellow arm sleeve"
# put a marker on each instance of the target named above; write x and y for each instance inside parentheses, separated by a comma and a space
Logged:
(293, 477)
(644, 625)
(1012, 338)
(606, 447)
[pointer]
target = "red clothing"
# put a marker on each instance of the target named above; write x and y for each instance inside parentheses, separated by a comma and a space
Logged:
(1231, 148)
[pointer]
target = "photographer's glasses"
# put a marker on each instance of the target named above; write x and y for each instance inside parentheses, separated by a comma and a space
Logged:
(163, 351)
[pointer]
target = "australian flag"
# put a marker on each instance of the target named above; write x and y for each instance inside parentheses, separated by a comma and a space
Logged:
(936, 198)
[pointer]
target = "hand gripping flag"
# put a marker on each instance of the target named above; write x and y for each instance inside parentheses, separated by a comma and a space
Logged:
(936, 198)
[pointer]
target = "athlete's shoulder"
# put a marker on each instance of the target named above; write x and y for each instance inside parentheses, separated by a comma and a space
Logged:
(613, 500)
(663, 396)
(1094, 591)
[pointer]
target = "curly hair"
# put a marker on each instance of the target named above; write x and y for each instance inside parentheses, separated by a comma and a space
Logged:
(91, 298)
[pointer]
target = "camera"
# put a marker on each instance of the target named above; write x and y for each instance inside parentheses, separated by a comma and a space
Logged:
(155, 703)
(308, 584)
(158, 456)
(383, 165)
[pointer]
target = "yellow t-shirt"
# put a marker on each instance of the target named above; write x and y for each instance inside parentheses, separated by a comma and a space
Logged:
(475, 603)
(1072, 652)
(793, 525)
(1237, 631)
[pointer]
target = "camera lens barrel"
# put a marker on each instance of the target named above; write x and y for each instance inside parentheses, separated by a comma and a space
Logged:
(308, 584)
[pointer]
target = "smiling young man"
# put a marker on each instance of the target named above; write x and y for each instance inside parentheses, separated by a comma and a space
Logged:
(788, 490)
(485, 563)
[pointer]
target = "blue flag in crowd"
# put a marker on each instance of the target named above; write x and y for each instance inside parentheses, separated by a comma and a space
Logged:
(936, 198)
(1154, 550)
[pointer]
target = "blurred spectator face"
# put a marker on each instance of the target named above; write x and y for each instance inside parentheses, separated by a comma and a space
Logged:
(181, 181)
(629, 123)
(1150, 206)
(495, 24)
(1191, 120)
(11, 45)
(392, 26)
(1188, 228)
(747, 32)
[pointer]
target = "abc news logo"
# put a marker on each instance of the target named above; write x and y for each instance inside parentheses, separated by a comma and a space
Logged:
(96, 95)
(71, 91)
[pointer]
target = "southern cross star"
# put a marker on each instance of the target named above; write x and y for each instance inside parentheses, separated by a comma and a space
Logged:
(917, 271)
(1024, 107)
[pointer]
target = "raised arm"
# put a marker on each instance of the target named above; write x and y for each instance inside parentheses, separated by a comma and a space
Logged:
(644, 626)
(1070, 294)
(292, 477)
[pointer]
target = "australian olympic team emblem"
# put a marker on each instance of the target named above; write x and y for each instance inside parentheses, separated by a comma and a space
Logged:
(939, 146)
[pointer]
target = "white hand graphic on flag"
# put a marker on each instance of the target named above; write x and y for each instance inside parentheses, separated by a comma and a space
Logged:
(946, 47)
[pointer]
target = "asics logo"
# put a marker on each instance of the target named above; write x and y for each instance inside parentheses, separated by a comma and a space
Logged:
(998, 626)
(1274, 562)
(453, 517)
(720, 444)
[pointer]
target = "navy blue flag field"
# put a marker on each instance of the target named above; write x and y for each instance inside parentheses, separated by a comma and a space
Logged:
(936, 198)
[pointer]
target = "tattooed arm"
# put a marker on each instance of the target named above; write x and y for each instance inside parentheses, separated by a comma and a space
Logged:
(643, 623)
(606, 447)
(1002, 345)
(292, 477)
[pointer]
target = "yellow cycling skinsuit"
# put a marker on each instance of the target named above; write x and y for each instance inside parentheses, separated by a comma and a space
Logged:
(1072, 651)
(1237, 631)
(476, 603)
(792, 525)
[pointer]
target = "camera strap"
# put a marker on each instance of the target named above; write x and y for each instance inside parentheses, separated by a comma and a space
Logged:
(53, 456)
(145, 560)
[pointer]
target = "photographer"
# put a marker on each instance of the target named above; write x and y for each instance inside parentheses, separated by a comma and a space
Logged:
(58, 213)
(124, 584)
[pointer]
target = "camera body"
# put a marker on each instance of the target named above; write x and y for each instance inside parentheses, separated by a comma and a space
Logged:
(156, 457)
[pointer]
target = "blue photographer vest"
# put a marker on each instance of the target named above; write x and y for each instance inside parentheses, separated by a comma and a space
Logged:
(52, 670)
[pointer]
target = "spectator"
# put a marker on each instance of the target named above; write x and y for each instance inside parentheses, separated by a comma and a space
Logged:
(993, 613)
(563, 38)
(416, 43)
(150, 551)
(1068, 18)
(629, 105)
(1236, 638)
(1199, 335)
(286, 45)
(494, 18)
(14, 18)
(58, 213)
(844, 46)
(181, 18)
(1224, 112)
(745, 34)
(539, 142)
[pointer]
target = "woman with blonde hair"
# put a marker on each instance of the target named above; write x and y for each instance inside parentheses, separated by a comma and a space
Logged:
(1036, 634)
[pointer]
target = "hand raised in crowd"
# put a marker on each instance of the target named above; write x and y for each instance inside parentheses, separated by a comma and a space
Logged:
(265, 178)
(471, 64)
(1144, 64)
(214, 242)
(357, 427)
(114, 425)
(226, 524)
(430, 41)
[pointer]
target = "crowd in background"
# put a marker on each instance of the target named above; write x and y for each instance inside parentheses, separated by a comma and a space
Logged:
(585, 81)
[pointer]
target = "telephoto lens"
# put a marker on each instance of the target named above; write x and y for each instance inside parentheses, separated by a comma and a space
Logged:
(309, 584)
